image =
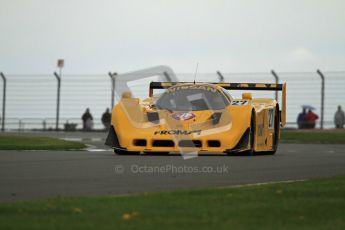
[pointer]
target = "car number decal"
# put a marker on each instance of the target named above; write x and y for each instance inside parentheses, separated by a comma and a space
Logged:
(238, 102)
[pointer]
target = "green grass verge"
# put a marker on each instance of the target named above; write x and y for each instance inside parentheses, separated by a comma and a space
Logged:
(37, 143)
(317, 204)
(312, 137)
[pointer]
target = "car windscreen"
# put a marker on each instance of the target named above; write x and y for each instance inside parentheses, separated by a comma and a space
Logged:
(191, 100)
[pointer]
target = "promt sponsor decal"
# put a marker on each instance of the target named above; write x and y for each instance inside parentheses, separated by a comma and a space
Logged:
(177, 132)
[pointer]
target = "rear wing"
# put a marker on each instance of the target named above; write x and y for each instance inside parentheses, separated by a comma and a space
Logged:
(235, 86)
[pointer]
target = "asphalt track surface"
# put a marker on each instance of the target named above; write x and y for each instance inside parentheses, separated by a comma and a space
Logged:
(39, 174)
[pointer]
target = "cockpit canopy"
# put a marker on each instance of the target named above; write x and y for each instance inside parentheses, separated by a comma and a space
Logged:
(192, 98)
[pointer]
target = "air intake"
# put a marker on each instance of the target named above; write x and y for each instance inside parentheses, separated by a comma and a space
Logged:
(163, 143)
(213, 143)
(140, 142)
(190, 143)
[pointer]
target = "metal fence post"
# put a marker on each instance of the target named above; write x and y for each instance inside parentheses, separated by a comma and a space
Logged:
(3, 102)
(220, 76)
(322, 97)
(58, 78)
(276, 77)
(112, 79)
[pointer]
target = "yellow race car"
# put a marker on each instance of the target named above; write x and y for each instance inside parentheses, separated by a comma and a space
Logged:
(198, 117)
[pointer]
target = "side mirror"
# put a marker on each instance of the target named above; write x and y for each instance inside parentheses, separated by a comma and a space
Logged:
(247, 96)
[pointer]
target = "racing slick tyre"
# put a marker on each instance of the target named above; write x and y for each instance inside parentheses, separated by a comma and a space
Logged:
(125, 152)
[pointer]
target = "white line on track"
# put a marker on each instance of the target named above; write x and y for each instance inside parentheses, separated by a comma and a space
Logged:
(98, 150)
(93, 139)
(92, 148)
(263, 183)
(221, 187)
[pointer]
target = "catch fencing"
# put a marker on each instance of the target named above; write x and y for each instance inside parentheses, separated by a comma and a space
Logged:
(29, 101)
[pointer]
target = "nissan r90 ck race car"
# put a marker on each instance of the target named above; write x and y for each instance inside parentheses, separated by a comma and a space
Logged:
(198, 117)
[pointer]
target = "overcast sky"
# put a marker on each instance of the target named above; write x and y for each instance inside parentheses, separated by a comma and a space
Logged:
(231, 36)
